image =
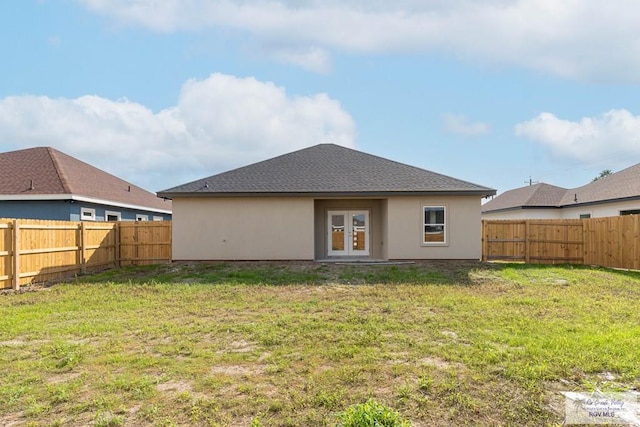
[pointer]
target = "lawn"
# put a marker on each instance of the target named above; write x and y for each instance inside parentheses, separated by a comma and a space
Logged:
(296, 344)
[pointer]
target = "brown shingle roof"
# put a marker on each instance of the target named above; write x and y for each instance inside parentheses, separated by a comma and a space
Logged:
(327, 169)
(47, 171)
(537, 195)
(620, 185)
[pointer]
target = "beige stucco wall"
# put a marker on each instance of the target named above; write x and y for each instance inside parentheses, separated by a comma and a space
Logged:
(525, 214)
(243, 228)
(405, 227)
(293, 228)
(596, 211)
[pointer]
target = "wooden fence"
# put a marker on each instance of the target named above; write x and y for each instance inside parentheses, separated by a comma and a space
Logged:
(607, 242)
(38, 251)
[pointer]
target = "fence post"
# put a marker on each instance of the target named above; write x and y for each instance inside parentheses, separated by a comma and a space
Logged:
(527, 250)
(483, 238)
(16, 255)
(117, 244)
(83, 249)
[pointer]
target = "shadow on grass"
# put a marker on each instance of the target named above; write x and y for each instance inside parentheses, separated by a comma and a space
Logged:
(291, 272)
(444, 272)
(633, 274)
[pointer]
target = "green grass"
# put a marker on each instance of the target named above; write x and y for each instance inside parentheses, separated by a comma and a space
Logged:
(239, 344)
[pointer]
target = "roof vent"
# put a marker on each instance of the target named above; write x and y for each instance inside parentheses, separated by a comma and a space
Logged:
(129, 189)
(31, 187)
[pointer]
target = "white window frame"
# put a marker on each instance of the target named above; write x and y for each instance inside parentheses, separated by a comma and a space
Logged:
(158, 218)
(142, 217)
(436, 224)
(87, 214)
(107, 214)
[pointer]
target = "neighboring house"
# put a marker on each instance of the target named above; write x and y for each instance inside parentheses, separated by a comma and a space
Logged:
(43, 183)
(612, 195)
(326, 202)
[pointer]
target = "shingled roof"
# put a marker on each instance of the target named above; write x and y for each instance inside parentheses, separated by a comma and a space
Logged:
(44, 173)
(531, 196)
(618, 186)
(329, 170)
(624, 184)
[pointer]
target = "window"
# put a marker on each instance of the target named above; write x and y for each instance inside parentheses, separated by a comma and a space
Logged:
(585, 216)
(87, 214)
(434, 224)
(630, 212)
(158, 218)
(112, 216)
(140, 217)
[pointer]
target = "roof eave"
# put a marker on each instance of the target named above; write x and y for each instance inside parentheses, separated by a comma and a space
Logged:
(479, 193)
(517, 208)
(46, 197)
(602, 202)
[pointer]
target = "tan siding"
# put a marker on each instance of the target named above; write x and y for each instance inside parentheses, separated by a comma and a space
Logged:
(243, 228)
(405, 228)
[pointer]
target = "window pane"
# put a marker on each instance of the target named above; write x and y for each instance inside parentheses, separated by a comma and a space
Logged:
(358, 231)
(434, 224)
(337, 232)
(434, 215)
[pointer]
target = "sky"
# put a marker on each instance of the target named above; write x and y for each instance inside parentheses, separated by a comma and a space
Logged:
(163, 92)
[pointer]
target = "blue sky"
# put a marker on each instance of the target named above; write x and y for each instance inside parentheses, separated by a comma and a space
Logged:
(162, 92)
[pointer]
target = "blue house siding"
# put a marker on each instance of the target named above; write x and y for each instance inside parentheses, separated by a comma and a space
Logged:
(66, 210)
(101, 212)
(30, 209)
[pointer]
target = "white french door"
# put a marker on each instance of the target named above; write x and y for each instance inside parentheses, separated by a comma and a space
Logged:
(348, 233)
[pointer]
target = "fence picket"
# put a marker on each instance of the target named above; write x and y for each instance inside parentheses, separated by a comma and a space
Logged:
(37, 251)
(607, 242)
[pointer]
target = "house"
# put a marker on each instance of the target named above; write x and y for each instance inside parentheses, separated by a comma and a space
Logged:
(612, 195)
(44, 183)
(326, 202)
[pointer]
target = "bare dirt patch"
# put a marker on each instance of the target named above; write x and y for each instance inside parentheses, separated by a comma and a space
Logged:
(238, 370)
(175, 386)
(439, 363)
(63, 378)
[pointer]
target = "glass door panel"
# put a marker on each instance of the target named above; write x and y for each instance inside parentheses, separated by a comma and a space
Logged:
(348, 233)
(337, 232)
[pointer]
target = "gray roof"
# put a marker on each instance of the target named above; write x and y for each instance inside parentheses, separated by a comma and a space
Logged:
(621, 185)
(326, 169)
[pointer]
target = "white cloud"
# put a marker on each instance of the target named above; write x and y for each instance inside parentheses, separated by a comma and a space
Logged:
(54, 41)
(461, 125)
(585, 39)
(312, 59)
(609, 140)
(218, 123)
